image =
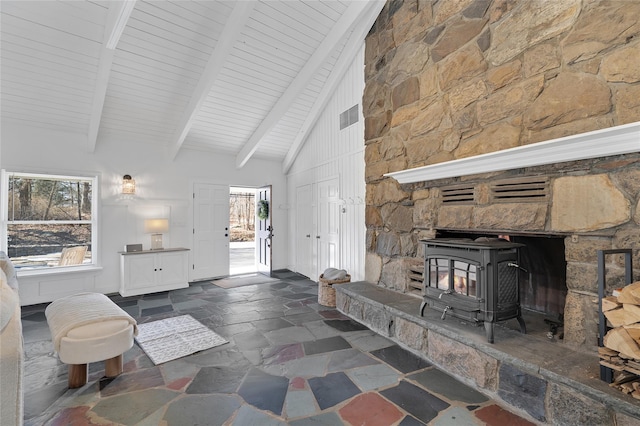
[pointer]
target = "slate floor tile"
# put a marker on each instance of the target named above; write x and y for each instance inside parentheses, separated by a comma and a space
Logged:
(349, 358)
(71, 416)
(368, 341)
(370, 409)
(416, 401)
(437, 381)
(34, 316)
(345, 325)
(331, 313)
(37, 401)
(210, 410)
(271, 324)
(253, 339)
(494, 415)
(153, 303)
(324, 419)
(250, 416)
(141, 379)
(303, 317)
(329, 344)
(215, 380)
(130, 408)
(374, 376)
(332, 389)
(156, 310)
(455, 416)
(264, 391)
(297, 296)
(284, 353)
(400, 359)
(410, 421)
(289, 335)
(308, 366)
(299, 403)
(321, 330)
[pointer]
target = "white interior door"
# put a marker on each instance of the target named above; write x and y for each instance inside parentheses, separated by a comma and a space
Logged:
(304, 231)
(210, 231)
(328, 231)
(264, 232)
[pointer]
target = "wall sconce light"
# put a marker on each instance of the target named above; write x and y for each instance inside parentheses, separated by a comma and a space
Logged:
(128, 185)
(156, 227)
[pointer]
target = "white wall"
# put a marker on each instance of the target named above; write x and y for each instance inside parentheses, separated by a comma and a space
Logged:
(162, 184)
(329, 152)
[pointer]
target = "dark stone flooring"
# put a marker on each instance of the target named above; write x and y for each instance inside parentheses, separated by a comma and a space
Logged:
(289, 361)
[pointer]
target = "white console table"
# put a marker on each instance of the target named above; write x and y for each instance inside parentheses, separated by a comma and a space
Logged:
(151, 271)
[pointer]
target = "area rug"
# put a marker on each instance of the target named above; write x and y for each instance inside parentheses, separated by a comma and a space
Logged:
(242, 280)
(173, 338)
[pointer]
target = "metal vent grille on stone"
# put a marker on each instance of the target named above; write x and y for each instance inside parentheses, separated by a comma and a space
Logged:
(459, 194)
(527, 189)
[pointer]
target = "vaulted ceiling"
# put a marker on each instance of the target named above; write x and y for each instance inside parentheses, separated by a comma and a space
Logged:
(246, 78)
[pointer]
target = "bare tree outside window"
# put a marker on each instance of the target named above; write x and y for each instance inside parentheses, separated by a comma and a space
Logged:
(241, 216)
(47, 214)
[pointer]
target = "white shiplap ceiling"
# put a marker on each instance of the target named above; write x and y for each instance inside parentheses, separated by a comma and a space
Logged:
(246, 78)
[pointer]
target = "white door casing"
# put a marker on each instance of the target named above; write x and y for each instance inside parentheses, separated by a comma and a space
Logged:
(304, 231)
(328, 223)
(210, 231)
(264, 232)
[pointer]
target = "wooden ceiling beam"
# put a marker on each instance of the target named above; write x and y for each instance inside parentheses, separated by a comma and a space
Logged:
(354, 43)
(232, 30)
(356, 11)
(117, 17)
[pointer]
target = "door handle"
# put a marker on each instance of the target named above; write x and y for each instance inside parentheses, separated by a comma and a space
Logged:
(318, 236)
(308, 235)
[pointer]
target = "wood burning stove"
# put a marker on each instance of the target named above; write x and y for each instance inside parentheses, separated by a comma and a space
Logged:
(474, 280)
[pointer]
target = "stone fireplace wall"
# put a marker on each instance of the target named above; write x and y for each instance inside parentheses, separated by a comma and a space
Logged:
(453, 79)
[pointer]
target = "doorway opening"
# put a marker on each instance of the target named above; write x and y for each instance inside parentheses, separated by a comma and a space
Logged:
(242, 244)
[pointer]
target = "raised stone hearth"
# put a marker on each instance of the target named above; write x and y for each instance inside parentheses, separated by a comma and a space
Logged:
(544, 380)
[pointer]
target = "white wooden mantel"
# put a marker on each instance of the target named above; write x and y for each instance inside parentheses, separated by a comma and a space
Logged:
(599, 143)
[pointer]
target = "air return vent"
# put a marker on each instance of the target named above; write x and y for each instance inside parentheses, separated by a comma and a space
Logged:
(459, 194)
(519, 190)
(416, 274)
(349, 117)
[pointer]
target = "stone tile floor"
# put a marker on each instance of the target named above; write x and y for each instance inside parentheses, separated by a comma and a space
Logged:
(289, 361)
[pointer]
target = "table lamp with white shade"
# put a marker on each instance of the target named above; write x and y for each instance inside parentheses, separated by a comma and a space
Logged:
(156, 227)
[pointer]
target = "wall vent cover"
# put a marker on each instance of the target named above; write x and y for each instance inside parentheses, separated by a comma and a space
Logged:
(459, 194)
(526, 189)
(349, 117)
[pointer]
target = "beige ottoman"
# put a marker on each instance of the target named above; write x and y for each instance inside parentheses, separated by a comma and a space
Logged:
(89, 327)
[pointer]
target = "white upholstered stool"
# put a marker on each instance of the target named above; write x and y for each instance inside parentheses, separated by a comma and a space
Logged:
(89, 327)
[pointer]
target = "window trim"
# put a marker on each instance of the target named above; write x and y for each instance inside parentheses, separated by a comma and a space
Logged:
(95, 228)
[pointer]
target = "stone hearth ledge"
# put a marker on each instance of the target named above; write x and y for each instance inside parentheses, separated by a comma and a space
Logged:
(382, 309)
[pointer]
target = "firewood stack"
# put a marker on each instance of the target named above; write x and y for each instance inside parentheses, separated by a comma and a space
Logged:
(621, 351)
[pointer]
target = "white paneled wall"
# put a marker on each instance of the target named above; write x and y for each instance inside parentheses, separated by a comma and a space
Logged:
(330, 152)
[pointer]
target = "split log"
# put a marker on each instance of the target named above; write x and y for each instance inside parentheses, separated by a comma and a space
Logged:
(603, 351)
(621, 316)
(634, 331)
(609, 303)
(631, 308)
(619, 340)
(630, 293)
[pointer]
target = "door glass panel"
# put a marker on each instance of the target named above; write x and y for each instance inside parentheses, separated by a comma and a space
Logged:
(439, 273)
(464, 278)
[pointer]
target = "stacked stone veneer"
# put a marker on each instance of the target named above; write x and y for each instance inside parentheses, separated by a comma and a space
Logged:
(453, 79)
